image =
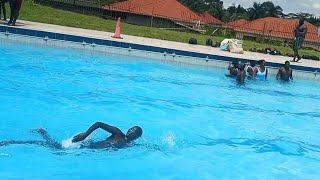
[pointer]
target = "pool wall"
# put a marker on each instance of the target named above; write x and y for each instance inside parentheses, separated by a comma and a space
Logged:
(29, 36)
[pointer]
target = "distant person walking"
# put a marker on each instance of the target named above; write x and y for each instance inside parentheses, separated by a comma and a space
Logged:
(15, 6)
(299, 34)
(3, 8)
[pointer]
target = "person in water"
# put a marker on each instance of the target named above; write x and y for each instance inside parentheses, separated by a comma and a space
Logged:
(261, 71)
(285, 72)
(241, 74)
(299, 34)
(117, 139)
(250, 69)
(233, 68)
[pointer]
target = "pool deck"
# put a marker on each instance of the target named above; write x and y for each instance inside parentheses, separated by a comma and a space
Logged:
(160, 43)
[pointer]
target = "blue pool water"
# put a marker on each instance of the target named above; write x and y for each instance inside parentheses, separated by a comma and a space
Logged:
(197, 123)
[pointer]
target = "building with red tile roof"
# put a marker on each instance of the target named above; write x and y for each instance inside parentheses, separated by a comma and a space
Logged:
(208, 18)
(161, 8)
(236, 23)
(275, 29)
(169, 9)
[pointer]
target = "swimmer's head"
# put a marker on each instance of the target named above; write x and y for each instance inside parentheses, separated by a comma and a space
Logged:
(241, 66)
(134, 133)
(301, 21)
(235, 63)
(252, 63)
(262, 62)
(287, 64)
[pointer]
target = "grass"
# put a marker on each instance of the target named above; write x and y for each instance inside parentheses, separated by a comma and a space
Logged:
(45, 14)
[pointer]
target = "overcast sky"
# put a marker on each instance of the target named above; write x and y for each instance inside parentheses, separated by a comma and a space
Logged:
(309, 6)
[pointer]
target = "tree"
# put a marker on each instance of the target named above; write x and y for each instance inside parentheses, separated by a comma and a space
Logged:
(234, 13)
(195, 5)
(215, 7)
(311, 18)
(271, 10)
(256, 11)
(266, 9)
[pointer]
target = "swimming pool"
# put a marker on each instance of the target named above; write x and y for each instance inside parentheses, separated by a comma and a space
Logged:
(197, 123)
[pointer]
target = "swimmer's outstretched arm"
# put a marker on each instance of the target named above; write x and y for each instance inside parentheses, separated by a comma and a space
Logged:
(6, 143)
(106, 127)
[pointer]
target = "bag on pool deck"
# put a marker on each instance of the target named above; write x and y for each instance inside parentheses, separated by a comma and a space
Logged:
(209, 42)
(224, 45)
(235, 46)
(193, 41)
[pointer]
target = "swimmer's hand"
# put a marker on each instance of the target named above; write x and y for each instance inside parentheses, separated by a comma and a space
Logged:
(79, 137)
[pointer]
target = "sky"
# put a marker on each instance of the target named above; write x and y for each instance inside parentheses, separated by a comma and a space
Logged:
(295, 6)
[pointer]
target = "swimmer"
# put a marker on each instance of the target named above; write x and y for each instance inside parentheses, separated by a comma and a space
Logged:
(241, 74)
(233, 68)
(250, 69)
(261, 71)
(117, 139)
(285, 72)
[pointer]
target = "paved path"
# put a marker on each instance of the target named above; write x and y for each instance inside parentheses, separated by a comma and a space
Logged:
(160, 43)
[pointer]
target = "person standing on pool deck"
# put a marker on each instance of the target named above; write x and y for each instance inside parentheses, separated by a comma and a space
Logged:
(117, 139)
(15, 6)
(3, 8)
(299, 34)
(261, 71)
(285, 72)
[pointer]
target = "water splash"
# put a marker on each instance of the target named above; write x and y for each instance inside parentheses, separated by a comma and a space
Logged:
(68, 144)
(169, 139)
(4, 154)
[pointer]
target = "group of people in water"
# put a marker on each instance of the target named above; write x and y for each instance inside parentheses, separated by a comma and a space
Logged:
(241, 71)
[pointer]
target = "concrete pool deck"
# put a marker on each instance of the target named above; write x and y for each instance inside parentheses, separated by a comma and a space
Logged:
(159, 43)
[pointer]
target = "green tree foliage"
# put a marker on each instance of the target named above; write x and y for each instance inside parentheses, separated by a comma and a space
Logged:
(311, 18)
(266, 9)
(234, 13)
(214, 7)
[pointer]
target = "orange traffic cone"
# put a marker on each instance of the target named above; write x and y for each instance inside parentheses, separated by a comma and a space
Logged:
(117, 33)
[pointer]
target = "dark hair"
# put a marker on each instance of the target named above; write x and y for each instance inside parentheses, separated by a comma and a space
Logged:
(287, 62)
(235, 63)
(134, 133)
(252, 63)
(261, 61)
(241, 66)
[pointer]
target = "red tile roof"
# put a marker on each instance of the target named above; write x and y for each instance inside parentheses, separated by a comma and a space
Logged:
(208, 18)
(236, 23)
(171, 9)
(278, 27)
